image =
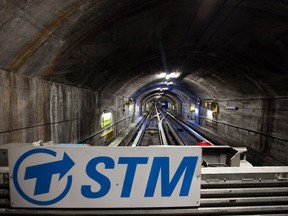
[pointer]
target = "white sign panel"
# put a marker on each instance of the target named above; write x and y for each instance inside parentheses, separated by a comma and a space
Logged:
(105, 177)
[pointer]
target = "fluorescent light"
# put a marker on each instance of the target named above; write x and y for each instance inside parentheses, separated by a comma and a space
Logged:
(210, 114)
(168, 76)
(175, 74)
(161, 75)
(196, 111)
(231, 107)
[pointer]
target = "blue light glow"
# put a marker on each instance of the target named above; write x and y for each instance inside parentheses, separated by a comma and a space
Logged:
(196, 111)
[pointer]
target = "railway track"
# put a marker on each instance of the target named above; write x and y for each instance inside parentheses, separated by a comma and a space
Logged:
(163, 128)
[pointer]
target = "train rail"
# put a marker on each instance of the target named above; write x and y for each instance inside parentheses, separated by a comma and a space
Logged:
(182, 133)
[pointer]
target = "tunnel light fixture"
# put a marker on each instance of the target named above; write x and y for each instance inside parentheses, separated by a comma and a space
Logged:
(161, 75)
(168, 76)
(163, 89)
(168, 83)
(175, 74)
(196, 111)
(172, 75)
(232, 107)
(210, 114)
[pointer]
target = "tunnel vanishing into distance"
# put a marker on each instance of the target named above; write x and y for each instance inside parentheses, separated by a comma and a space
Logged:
(222, 64)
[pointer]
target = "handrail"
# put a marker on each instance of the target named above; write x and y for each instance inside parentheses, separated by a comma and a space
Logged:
(237, 127)
(95, 134)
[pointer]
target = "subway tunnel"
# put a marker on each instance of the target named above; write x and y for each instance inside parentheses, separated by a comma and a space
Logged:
(65, 63)
(87, 72)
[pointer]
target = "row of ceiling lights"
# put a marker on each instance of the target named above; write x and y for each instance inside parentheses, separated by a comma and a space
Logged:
(167, 76)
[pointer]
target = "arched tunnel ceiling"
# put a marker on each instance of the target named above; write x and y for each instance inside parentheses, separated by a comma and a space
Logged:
(224, 48)
(178, 90)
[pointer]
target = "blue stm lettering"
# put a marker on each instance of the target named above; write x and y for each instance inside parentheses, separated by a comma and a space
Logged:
(160, 169)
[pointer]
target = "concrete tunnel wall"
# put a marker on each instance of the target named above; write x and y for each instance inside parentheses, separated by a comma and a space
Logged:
(267, 116)
(256, 124)
(34, 109)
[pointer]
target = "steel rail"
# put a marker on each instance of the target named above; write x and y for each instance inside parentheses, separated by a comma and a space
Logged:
(175, 135)
(189, 129)
(163, 139)
(141, 132)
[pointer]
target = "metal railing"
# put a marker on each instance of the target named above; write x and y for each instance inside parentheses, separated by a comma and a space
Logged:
(101, 131)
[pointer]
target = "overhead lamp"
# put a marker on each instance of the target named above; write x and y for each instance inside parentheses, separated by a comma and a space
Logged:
(196, 111)
(161, 75)
(168, 83)
(209, 114)
(172, 75)
(175, 74)
(232, 107)
(167, 76)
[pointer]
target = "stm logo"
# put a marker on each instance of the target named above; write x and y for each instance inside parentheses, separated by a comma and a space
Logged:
(33, 182)
(104, 177)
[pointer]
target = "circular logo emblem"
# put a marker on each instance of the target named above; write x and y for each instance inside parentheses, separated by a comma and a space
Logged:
(42, 174)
